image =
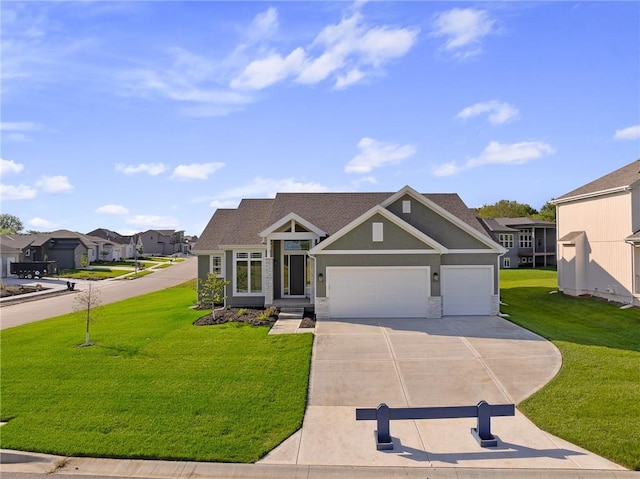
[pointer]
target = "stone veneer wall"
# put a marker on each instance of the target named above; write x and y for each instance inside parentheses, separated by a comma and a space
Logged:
(495, 305)
(434, 307)
(267, 281)
(322, 308)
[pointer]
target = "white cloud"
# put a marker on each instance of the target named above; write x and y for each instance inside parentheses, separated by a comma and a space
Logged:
(267, 71)
(151, 222)
(350, 50)
(112, 210)
(196, 171)
(54, 184)
(515, 154)
(264, 25)
(152, 169)
(268, 187)
(374, 154)
(42, 223)
(447, 169)
(463, 30)
(629, 133)
(498, 112)
(19, 126)
(499, 154)
(21, 192)
(9, 166)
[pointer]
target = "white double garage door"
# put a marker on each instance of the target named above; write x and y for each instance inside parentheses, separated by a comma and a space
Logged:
(404, 291)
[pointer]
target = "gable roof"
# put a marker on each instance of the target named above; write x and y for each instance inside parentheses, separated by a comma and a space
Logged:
(494, 226)
(110, 235)
(522, 221)
(379, 210)
(619, 180)
(328, 212)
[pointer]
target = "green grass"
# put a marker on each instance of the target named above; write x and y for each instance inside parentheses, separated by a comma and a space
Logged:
(95, 274)
(594, 401)
(153, 386)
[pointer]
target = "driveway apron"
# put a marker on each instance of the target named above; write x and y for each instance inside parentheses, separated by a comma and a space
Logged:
(453, 361)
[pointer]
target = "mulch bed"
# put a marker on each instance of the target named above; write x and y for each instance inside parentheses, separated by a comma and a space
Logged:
(251, 316)
(19, 289)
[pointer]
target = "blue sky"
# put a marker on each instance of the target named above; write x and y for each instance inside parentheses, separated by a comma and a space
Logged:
(140, 115)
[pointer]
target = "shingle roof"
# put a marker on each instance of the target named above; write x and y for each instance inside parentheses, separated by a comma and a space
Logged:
(626, 176)
(328, 211)
(523, 221)
(494, 225)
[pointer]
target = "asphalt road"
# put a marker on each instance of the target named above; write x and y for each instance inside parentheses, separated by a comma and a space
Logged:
(110, 292)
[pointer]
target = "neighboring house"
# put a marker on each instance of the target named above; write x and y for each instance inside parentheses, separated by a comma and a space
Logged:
(355, 254)
(64, 246)
(599, 237)
(188, 244)
(162, 242)
(9, 253)
(529, 243)
(122, 247)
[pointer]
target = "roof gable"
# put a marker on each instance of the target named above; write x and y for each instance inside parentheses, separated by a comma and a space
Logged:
(621, 179)
(473, 233)
(288, 219)
(383, 213)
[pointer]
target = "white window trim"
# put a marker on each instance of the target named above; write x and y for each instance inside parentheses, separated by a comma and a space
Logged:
(249, 259)
(377, 232)
(222, 262)
(506, 263)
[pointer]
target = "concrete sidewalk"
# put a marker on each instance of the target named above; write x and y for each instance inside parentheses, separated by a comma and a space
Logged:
(47, 465)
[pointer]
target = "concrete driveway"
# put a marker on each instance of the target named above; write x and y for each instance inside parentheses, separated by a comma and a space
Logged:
(423, 362)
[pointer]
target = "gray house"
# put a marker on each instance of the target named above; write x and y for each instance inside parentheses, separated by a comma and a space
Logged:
(64, 246)
(161, 242)
(529, 243)
(401, 254)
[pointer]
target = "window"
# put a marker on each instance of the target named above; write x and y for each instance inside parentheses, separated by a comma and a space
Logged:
(377, 232)
(406, 206)
(506, 240)
(525, 238)
(215, 265)
(248, 272)
(506, 262)
(297, 245)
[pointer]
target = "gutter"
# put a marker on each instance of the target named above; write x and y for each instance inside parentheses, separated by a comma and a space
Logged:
(618, 189)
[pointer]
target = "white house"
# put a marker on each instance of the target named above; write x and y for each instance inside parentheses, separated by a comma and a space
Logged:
(599, 237)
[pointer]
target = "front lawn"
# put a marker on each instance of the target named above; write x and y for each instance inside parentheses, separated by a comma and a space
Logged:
(153, 386)
(92, 274)
(594, 401)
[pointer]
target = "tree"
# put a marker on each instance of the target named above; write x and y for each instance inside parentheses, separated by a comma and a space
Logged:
(84, 260)
(10, 224)
(211, 292)
(547, 213)
(86, 303)
(506, 209)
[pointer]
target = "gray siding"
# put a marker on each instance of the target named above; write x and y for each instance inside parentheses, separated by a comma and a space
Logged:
(394, 237)
(435, 226)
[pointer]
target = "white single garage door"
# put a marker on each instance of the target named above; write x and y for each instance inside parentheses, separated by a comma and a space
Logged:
(466, 290)
(378, 292)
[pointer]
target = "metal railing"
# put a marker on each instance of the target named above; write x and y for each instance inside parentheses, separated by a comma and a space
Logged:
(383, 414)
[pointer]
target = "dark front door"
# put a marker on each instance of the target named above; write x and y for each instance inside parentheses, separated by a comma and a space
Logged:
(296, 275)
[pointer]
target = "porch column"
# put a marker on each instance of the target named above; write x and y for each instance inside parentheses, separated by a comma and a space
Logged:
(267, 280)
